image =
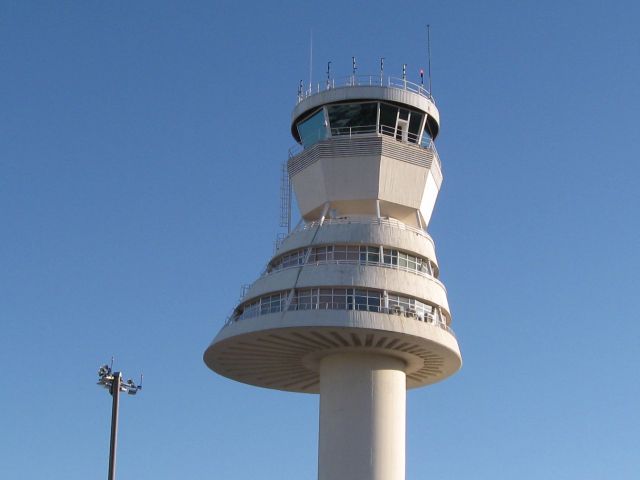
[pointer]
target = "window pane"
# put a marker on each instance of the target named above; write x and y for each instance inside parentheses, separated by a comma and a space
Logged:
(313, 129)
(373, 301)
(426, 137)
(361, 299)
(388, 117)
(339, 298)
(353, 253)
(414, 127)
(340, 252)
(350, 298)
(324, 300)
(294, 303)
(352, 118)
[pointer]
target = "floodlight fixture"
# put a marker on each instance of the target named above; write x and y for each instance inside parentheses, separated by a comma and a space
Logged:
(112, 381)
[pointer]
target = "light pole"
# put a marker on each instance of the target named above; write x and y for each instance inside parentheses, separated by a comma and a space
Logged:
(112, 381)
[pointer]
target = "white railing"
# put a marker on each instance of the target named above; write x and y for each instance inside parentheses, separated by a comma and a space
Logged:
(387, 130)
(422, 272)
(364, 80)
(355, 130)
(371, 131)
(399, 310)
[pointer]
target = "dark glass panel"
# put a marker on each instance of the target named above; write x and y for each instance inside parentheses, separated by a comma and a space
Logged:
(352, 253)
(340, 252)
(414, 127)
(374, 303)
(361, 299)
(352, 118)
(388, 117)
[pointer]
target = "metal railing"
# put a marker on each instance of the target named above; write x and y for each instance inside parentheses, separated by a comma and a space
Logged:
(353, 130)
(364, 80)
(387, 130)
(423, 272)
(372, 131)
(399, 310)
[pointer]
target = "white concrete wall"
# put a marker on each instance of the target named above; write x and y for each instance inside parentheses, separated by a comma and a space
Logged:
(429, 197)
(362, 418)
(362, 179)
(363, 234)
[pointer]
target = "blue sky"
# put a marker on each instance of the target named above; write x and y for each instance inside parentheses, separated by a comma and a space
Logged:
(140, 152)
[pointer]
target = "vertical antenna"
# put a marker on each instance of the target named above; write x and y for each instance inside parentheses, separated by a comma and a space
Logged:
(429, 54)
(381, 69)
(328, 73)
(353, 70)
(310, 59)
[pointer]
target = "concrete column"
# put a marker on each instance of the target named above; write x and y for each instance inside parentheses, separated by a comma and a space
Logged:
(362, 417)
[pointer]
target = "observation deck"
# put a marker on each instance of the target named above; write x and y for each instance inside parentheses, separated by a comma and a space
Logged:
(391, 90)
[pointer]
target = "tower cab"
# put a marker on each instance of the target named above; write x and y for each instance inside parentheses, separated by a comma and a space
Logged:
(359, 143)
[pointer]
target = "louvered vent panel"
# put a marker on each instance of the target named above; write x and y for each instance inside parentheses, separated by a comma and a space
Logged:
(358, 147)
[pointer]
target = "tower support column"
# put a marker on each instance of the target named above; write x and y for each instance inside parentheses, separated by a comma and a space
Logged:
(362, 417)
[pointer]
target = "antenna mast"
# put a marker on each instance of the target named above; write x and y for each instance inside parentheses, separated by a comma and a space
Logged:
(310, 59)
(429, 55)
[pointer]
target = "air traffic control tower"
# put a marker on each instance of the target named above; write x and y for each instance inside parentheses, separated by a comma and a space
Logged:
(350, 306)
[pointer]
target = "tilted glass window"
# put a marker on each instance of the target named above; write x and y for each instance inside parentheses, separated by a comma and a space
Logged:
(355, 254)
(313, 129)
(352, 118)
(388, 117)
(328, 298)
(414, 127)
(426, 137)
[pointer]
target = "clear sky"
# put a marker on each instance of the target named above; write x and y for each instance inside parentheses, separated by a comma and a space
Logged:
(140, 153)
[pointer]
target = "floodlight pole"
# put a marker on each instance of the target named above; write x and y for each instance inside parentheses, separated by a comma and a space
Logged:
(115, 394)
(112, 381)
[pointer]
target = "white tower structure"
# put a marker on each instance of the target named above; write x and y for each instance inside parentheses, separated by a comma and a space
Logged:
(350, 306)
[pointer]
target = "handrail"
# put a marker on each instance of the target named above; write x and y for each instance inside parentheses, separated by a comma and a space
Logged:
(354, 130)
(364, 80)
(367, 263)
(429, 318)
(373, 131)
(365, 129)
